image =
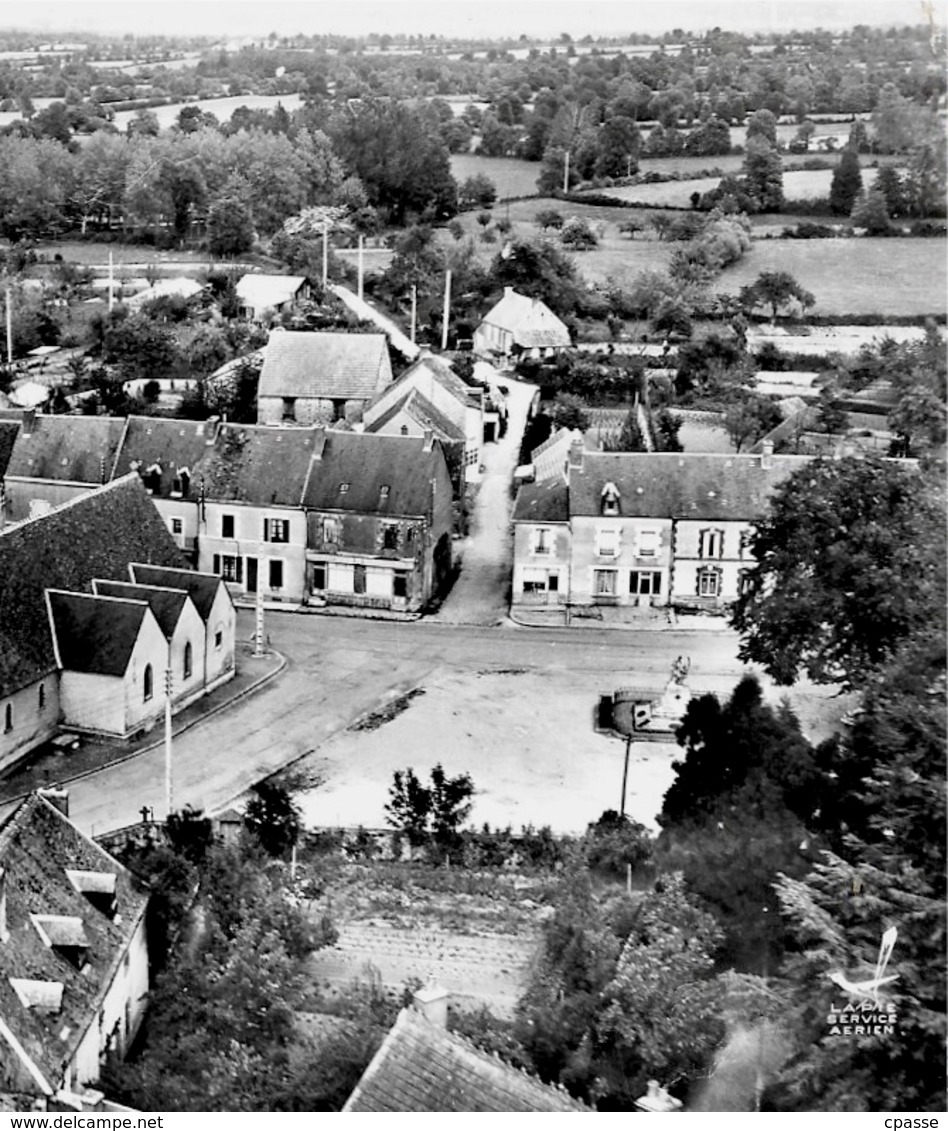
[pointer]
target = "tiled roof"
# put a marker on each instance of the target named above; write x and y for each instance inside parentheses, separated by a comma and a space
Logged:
(304, 364)
(166, 604)
(8, 435)
(424, 413)
(78, 449)
(542, 502)
(257, 464)
(354, 467)
(531, 321)
(163, 447)
(95, 634)
(201, 587)
(95, 535)
(671, 485)
(421, 1067)
(262, 291)
(37, 847)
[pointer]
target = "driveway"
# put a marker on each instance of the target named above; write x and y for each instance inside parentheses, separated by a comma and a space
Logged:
(481, 593)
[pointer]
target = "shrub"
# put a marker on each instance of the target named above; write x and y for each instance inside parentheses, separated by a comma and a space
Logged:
(614, 842)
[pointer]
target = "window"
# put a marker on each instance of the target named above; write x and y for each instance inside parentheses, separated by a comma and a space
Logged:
(343, 488)
(604, 583)
(339, 409)
(8, 718)
(330, 531)
(744, 581)
(188, 660)
(42, 696)
(745, 543)
(471, 457)
(177, 526)
(276, 530)
(540, 581)
(400, 584)
(227, 526)
(358, 579)
(289, 408)
(148, 683)
(610, 499)
(319, 576)
(709, 582)
(390, 537)
(404, 429)
(232, 568)
(384, 491)
(276, 574)
(607, 543)
(649, 541)
(645, 582)
(180, 485)
(542, 540)
(710, 543)
(218, 638)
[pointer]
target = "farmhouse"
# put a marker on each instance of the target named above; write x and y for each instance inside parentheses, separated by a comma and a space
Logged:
(631, 529)
(73, 955)
(260, 296)
(310, 378)
(517, 326)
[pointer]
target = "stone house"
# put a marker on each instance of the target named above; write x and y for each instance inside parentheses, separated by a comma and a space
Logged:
(518, 326)
(73, 954)
(317, 378)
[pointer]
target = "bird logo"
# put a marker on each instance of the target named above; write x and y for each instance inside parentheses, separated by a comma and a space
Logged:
(868, 989)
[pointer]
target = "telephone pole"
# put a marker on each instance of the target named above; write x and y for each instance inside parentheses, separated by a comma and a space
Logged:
(169, 686)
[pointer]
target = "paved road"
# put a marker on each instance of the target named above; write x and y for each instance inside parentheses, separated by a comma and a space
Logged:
(340, 668)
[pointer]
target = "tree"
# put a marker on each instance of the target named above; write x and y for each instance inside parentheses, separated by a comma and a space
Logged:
(577, 233)
(140, 347)
(569, 411)
(762, 125)
(763, 176)
(549, 218)
(850, 562)
(629, 438)
(478, 191)
(429, 813)
(409, 806)
(450, 805)
(750, 418)
(775, 289)
(846, 184)
(870, 212)
(273, 819)
(229, 227)
(889, 183)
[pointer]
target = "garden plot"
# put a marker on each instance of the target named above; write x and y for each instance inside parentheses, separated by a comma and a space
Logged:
(819, 340)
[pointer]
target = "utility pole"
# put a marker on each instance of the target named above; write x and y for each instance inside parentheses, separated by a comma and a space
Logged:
(566, 173)
(625, 773)
(258, 633)
(9, 327)
(325, 254)
(169, 685)
(414, 312)
(111, 283)
(447, 310)
(361, 264)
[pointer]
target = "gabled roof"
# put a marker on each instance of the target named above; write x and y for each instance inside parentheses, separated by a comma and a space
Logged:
(547, 501)
(257, 464)
(38, 846)
(202, 588)
(166, 604)
(442, 372)
(95, 634)
(305, 364)
(353, 467)
(529, 320)
(94, 535)
(163, 447)
(680, 486)
(423, 412)
(262, 291)
(77, 449)
(421, 1067)
(180, 287)
(8, 434)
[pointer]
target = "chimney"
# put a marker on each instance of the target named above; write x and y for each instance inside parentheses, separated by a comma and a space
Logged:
(4, 929)
(58, 798)
(432, 1001)
(429, 439)
(28, 422)
(508, 291)
(575, 461)
(766, 454)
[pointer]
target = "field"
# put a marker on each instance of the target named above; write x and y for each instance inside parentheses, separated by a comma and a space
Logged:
(857, 276)
(805, 184)
(511, 177)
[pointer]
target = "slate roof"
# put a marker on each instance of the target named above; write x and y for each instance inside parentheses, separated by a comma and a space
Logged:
(262, 291)
(8, 434)
(442, 373)
(547, 501)
(366, 462)
(529, 320)
(421, 1067)
(424, 413)
(95, 634)
(37, 846)
(166, 604)
(94, 535)
(257, 464)
(168, 445)
(201, 587)
(306, 364)
(681, 486)
(77, 449)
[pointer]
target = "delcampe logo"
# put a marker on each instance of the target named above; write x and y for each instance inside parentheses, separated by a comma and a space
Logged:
(866, 1012)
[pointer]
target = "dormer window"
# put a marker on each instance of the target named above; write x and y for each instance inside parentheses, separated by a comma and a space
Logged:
(97, 887)
(181, 484)
(610, 499)
(66, 935)
(152, 479)
(42, 997)
(343, 488)
(384, 491)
